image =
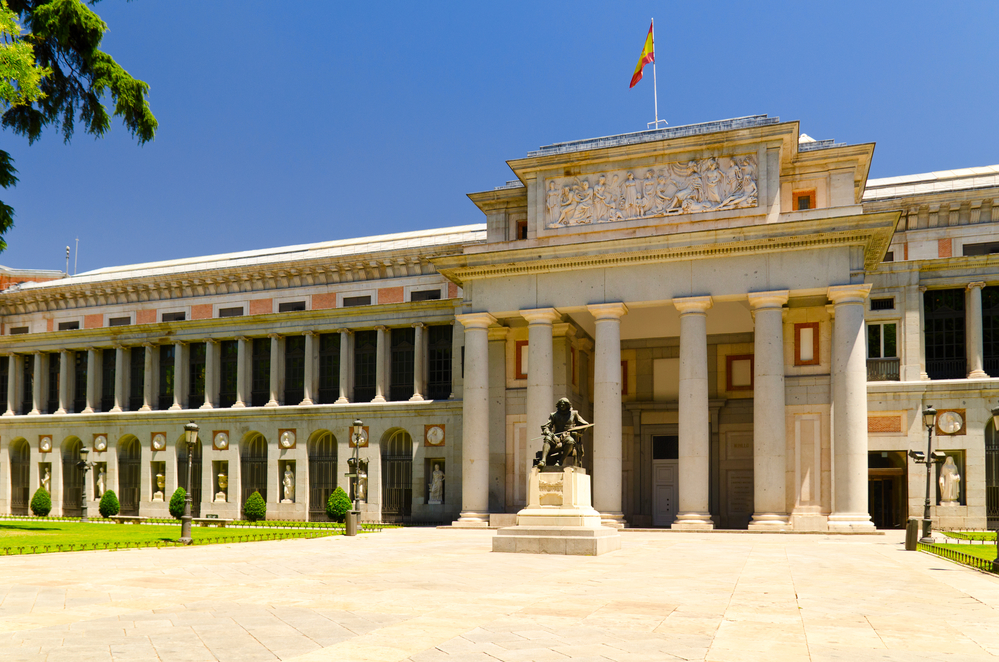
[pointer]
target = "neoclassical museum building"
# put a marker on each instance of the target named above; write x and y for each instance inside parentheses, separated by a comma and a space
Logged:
(753, 326)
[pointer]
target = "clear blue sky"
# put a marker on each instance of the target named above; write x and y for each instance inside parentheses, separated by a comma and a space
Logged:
(294, 122)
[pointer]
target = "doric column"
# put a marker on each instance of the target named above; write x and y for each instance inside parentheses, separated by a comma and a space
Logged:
(694, 424)
(211, 347)
(973, 331)
(308, 381)
(275, 364)
(849, 373)
(344, 366)
(91, 380)
(769, 434)
(922, 333)
(380, 366)
(147, 377)
(65, 360)
(36, 385)
(12, 365)
(178, 376)
(241, 371)
(418, 354)
(475, 421)
(540, 372)
(607, 412)
(119, 378)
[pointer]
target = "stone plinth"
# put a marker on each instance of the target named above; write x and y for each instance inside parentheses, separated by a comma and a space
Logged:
(558, 519)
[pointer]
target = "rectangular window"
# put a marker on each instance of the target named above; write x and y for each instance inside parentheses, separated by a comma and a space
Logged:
(803, 200)
(944, 334)
(889, 257)
(883, 304)
(365, 354)
(665, 447)
(260, 390)
(521, 230)
(228, 361)
(173, 317)
(120, 321)
(167, 355)
(28, 379)
(291, 306)
(425, 295)
(329, 368)
(401, 365)
(806, 343)
(137, 374)
(108, 361)
(881, 340)
(18, 330)
(196, 365)
(53, 394)
(521, 359)
(79, 381)
(356, 301)
(987, 248)
(236, 311)
(439, 362)
(572, 355)
(739, 373)
(294, 369)
(4, 376)
(69, 326)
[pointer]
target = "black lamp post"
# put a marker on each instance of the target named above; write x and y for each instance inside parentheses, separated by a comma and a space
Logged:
(995, 430)
(85, 467)
(191, 433)
(930, 458)
(355, 474)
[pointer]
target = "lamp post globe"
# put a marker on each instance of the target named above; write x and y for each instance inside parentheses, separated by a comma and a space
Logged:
(191, 437)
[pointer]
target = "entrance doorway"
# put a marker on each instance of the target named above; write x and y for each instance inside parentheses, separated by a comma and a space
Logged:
(252, 467)
(886, 489)
(665, 486)
(322, 473)
(129, 475)
(20, 486)
(397, 477)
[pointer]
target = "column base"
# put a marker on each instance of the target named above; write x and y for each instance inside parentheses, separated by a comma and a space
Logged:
(471, 520)
(769, 522)
(851, 523)
(8, 413)
(613, 520)
(378, 398)
(342, 401)
(306, 401)
(207, 405)
(115, 410)
(34, 412)
(60, 410)
(416, 398)
(271, 403)
(174, 407)
(239, 404)
(145, 408)
(923, 375)
(978, 374)
(693, 522)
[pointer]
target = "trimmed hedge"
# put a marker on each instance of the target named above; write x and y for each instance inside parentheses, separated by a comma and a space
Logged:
(41, 502)
(177, 502)
(255, 509)
(338, 505)
(109, 505)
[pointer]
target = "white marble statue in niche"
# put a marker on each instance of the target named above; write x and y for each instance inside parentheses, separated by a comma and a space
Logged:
(712, 184)
(289, 485)
(102, 481)
(47, 481)
(436, 486)
(950, 483)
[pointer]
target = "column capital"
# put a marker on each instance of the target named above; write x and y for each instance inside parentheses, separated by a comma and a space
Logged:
(418, 325)
(693, 304)
(848, 293)
(273, 336)
(606, 311)
(242, 338)
(380, 327)
(977, 284)
(344, 331)
(476, 320)
(584, 344)
(498, 332)
(922, 288)
(773, 299)
(180, 343)
(540, 315)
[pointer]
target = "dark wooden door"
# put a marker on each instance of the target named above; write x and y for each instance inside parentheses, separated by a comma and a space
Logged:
(20, 488)
(72, 482)
(397, 477)
(253, 468)
(322, 475)
(129, 477)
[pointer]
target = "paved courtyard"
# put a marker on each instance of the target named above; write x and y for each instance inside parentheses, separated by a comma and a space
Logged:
(429, 595)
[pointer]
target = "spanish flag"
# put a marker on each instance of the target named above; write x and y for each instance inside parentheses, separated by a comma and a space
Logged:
(648, 56)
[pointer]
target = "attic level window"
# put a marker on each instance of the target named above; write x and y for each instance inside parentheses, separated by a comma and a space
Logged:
(987, 248)
(889, 256)
(291, 306)
(173, 317)
(356, 301)
(883, 304)
(18, 330)
(803, 200)
(119, 321)
(236, 311)
(68, 326)
(521, 229)
(425, 295)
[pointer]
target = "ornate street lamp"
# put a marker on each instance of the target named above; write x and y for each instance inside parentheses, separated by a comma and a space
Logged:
(929, 458)
(191, 436)
(85, 466)
(358, 436)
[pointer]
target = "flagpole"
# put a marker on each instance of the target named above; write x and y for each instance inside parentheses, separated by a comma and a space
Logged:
(655, 86)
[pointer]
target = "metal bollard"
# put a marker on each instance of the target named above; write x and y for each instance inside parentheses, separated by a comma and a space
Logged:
(911, 534)
(352, 516)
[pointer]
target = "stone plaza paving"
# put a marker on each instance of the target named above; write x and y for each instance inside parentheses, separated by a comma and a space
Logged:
(431, 595)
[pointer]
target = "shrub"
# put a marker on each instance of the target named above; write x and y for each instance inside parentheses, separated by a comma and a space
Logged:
(41, 502)
(109, 504)
(255, 509)
(177, 502)
(338, 505)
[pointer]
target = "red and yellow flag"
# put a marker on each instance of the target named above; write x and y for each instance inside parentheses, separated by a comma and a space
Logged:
(648, 56)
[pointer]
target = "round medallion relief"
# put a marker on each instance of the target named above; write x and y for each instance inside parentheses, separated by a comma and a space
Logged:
(435, 435)
(362, 437)
(159, 441)
(287, 439)
(950, 422)
(100, 443)
(45, 444)
(221, 441)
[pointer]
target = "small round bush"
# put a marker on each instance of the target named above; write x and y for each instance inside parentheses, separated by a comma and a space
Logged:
(109, 504)
(255, 509)
(338, 505)
(177, 502)
(41, 502)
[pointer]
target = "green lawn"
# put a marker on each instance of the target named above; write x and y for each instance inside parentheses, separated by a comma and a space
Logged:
(971, 535)
(987, 552)
(38, 536)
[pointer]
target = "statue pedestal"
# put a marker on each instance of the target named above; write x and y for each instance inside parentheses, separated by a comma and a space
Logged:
(559, 518)
(157, 496)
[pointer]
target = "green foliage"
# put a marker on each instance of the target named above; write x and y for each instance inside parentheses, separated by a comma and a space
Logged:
(20, 77)
(41, 502)
(338, 505)
(109, 504)
(255, 509)
(177, 502)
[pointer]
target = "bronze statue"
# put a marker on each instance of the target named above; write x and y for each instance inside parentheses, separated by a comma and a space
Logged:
(563, 437)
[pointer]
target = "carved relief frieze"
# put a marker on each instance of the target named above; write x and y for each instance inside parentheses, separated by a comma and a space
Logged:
(712, 184)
